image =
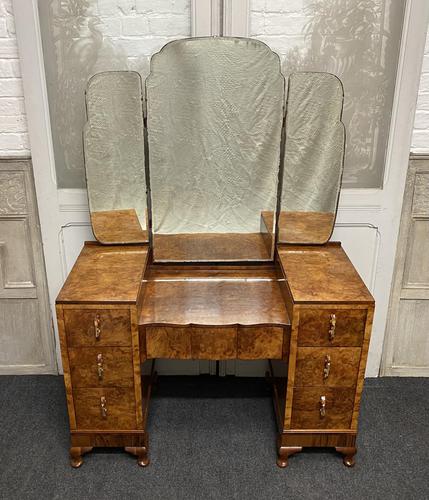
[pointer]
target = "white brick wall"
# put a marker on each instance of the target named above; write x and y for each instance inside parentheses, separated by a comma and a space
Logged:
(420, 142)
(278, 23)
(162, 17)
(13, 123)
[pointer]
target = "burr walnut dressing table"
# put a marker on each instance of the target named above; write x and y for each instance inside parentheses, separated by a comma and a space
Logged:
(213, 206)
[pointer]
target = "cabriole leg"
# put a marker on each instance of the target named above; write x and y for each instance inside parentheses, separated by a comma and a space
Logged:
(141, 452)
(284, 452)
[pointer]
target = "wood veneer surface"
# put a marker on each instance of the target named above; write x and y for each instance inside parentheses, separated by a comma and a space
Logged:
(118, 227)
(302, 227)
(210, 247)
(322, 274)
(105, 274)
(219, 296)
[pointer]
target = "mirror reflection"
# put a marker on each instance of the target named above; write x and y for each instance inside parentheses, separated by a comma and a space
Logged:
(114, 158)
(313, 158)
(215, 110)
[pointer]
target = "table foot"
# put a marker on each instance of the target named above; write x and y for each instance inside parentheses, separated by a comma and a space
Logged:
(284, 452)
(76, 455)
(141, 452)
(348, 455)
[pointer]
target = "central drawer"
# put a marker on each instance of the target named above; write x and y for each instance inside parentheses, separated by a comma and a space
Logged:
(260, 342)
(104, 408)
(200, 342)
(101, 366)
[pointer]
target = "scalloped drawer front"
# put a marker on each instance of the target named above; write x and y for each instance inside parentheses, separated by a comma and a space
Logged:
(260, 342)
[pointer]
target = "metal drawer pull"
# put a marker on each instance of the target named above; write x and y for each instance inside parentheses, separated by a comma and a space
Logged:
(103, 407)
(322, 406)
(97, 326)
(332, 324)
(327, 367)
(100, 368)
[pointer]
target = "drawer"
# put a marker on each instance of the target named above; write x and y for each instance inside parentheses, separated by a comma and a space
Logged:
(307, 406)
(97, 327)
(105, 409)
(329, 366)
(168, 342)
(263, 342)
(214, 343)
(331, 327)
(101, 366)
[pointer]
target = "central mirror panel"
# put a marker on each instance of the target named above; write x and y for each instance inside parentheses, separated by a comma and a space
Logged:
(215, 111)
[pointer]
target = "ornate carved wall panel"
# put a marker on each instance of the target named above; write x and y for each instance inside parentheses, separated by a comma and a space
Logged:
(83, 37)
(26, 335)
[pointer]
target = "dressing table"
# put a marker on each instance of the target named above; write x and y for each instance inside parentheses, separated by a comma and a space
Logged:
(213, 206)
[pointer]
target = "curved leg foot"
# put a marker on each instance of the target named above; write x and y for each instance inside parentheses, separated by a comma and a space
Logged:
(76, 454)
(284, 452)
(141, 452)
(348, 455)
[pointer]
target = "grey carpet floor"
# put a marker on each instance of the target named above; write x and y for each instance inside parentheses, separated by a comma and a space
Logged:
(213, 438)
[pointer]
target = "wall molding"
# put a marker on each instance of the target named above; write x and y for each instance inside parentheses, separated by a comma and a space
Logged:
(236, 18)
(206, 17)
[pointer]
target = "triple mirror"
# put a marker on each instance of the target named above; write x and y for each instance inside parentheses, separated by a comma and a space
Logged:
(227, 163)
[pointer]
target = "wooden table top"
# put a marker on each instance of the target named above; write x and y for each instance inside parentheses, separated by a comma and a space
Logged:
(214, 296)
(221, 247)
(118, 227)
(322, 274)
(302, 227)
(109, 274)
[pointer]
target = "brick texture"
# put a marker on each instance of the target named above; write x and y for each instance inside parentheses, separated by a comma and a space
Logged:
(13, 122)
(135, 28)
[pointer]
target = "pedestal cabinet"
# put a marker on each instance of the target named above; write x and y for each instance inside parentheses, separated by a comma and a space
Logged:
(97, 313)
(331, 315)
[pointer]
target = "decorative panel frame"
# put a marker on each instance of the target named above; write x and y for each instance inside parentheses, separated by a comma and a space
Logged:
(27, 339)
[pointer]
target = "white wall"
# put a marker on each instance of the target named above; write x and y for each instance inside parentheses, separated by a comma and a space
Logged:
(13, 123)
(420, 142)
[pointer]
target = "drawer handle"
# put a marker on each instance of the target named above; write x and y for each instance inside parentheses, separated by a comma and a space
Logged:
(97, 327)
(322, 406)
(100, 368)
(103, 407)
(327, 367)
(332, 324)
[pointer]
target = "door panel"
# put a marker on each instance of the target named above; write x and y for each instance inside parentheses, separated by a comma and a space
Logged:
(406, 350)
(26, 334)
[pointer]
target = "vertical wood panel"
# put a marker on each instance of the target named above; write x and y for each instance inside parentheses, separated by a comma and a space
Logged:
(406, 350)
(26, 332)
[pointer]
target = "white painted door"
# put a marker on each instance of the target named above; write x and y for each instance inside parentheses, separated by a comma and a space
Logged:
(368, 217)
